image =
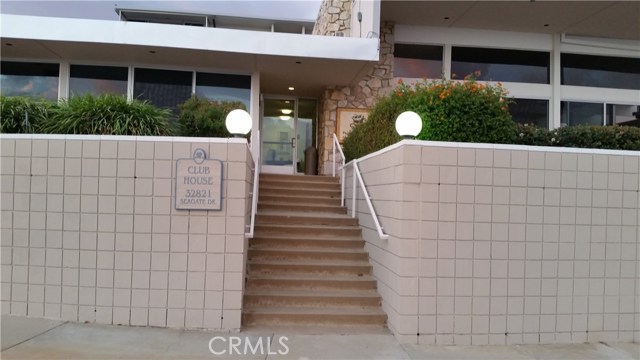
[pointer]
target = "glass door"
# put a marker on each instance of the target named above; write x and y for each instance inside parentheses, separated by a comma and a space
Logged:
(278, 139)
(288, 128)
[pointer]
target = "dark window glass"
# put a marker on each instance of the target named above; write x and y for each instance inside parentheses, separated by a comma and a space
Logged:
(500, 65)
(89, 79)
(600, 71)
(29, 79)
(417, 61)
(581, 113)
(623, 115)
(224, 87)
(163, 88)
(530, 111)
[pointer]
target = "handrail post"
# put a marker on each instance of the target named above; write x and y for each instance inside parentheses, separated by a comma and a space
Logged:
(334, 156)
(355, 189)
(342, 180)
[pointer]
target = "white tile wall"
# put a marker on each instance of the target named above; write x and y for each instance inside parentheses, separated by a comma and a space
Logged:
(89, 233)
(515, 245)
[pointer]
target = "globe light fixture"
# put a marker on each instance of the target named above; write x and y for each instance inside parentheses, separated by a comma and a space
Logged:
(238, 122)
(408, 124)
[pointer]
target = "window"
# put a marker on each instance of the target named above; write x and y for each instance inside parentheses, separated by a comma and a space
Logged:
(623, 114)
(581, 113)
(86, 79)
(530, 111)
(500, 65)
(224, 87)
(600, 71)
(417, 61)
(163, 88)
(29, 79)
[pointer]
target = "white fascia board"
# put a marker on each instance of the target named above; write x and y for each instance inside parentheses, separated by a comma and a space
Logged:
(186, 37)
(416, 34)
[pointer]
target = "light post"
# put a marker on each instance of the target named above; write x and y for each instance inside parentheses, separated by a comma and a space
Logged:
(408, 125)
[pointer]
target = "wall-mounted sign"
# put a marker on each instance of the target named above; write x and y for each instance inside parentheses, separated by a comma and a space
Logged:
(198, 183)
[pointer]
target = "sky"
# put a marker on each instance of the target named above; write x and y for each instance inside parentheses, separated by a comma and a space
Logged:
(100, 9)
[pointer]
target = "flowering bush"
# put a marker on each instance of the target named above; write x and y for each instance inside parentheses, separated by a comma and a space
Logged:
(463, 111)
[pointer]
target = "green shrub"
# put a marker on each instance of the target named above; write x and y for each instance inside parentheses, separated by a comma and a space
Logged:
(377, 131)
(601, 137)
(107, 114)
(205, 118)
(461, 111)
(450, 111)
(527, 134)
(22, 114)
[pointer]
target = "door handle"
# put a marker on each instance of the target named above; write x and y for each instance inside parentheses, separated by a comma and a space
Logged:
(293, 142)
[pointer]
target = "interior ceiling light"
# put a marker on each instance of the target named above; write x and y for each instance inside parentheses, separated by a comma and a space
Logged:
(286, 111)
(285, 117)
(291, 88)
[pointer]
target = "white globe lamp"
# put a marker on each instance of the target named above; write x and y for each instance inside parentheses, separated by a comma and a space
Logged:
(408, 124)
(238, 122)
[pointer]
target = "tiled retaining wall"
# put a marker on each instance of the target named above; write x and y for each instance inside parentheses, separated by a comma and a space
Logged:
(505, 244)
(90, 233)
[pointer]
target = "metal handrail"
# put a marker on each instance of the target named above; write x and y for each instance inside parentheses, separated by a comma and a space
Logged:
(254, 200)
(358, 175)
(336, 144)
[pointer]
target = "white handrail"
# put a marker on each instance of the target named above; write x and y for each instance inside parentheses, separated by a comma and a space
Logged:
(336, 144)
(254, 200)
(372, 210)
(356, 174)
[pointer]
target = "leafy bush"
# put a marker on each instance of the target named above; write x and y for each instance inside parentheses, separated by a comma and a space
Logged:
(527, 134)
(450, 111)
(205, 118)
(582, 136)
(471, 112)
(377, 131)
(107, 114)
(22, 114)
(461, 111)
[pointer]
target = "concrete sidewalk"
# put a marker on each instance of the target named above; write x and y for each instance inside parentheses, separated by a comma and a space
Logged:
(26, 338)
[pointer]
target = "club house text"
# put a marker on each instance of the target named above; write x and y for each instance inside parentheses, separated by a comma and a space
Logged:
(198, 185)
(192, 179)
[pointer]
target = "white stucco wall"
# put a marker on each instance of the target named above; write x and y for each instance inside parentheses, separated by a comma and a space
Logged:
(496, 244)
(90, 233)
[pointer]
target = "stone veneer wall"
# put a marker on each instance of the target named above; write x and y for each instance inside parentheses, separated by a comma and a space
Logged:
(334, 16)
(90, 232)
(378, 82)
(504, 244)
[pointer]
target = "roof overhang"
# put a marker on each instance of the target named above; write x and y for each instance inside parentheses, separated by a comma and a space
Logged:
(599, 19)
(310, 63)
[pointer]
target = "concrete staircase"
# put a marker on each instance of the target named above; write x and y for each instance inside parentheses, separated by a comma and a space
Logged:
(306, 263)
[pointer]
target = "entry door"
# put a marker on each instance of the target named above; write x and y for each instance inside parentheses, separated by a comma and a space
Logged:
(288, 128)
(278, 135)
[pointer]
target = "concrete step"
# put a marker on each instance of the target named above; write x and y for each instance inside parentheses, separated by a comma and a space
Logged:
(269, 206)
(311, 218)
(311, 200)
(302, 298)
(275, 241)
(271, 189)
(314, 230)
(308, 178)
(317, 316)
(309, 267)
(300, 282)
(295, 184)
(290, 254)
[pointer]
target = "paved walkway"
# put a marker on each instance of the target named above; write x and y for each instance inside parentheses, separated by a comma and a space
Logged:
(25, 338)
